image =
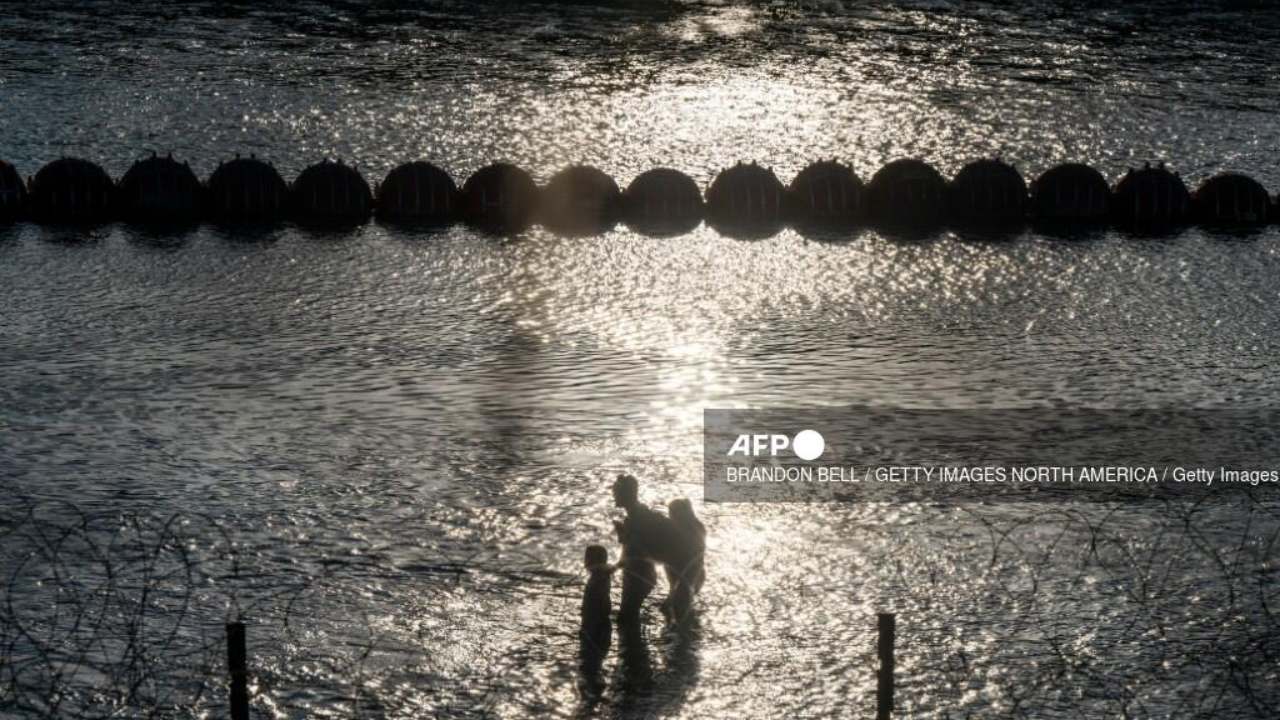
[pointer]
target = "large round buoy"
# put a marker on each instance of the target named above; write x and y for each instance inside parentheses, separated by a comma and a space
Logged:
(418, 191)
(1070, 193)
(159, 189)
(580, 200)
(331, 192)
(826, 194)
(13, 193)
(1150, 199)
(1231, 199)
(662, 202)
(499, 198)
(246, 189)
(907, 192)
(987, 192)
(72, 190)
(746, 201)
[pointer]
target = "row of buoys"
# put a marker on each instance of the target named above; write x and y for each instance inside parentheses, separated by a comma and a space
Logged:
(746, 200)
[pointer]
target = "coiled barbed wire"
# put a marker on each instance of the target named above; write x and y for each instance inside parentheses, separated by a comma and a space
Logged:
(117, 615)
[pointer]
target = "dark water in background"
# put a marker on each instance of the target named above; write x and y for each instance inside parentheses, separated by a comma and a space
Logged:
(420, 428)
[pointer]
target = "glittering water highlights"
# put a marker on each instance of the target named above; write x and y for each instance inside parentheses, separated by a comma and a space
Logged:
(388, 447)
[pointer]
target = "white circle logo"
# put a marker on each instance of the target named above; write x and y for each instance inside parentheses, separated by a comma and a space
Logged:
(808, 444)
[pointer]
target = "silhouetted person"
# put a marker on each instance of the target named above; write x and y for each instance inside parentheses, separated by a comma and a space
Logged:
(652, 536)
(639, 577)
(686, 580)
(680, 511)
(597, 630)
(633, 676)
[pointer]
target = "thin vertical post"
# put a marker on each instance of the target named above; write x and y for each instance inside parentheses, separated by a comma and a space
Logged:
(884, 686)
(237, 666)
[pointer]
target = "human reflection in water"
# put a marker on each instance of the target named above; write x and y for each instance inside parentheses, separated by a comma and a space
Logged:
(633, 677)
(640, 691)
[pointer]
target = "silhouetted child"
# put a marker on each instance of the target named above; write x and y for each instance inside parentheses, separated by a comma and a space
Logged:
(597, 630)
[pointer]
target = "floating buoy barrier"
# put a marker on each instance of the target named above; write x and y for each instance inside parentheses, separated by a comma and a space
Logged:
(418, 191)
(159, 189)
(499, 198)
(1071, 193)
(246, 189)
(1150, 199)
(331, 192)
(907, 193)
(987, 192)
(826, 194)
(580, 200)
(746, 201)
(71, 190)
(13, 193)
(662, 203)
(1231, 199)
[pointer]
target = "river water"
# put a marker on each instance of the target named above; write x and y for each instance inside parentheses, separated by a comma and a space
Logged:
(387, 448)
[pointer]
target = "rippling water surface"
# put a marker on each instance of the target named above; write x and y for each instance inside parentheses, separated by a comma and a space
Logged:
(389, 447)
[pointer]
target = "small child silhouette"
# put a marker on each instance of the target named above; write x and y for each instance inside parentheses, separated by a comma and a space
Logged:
(597, 630)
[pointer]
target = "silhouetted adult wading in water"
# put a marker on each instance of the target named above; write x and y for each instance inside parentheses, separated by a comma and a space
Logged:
(648, 536)
(687, 576)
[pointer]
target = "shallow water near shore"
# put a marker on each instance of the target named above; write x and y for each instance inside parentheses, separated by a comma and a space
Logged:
(387, 447)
